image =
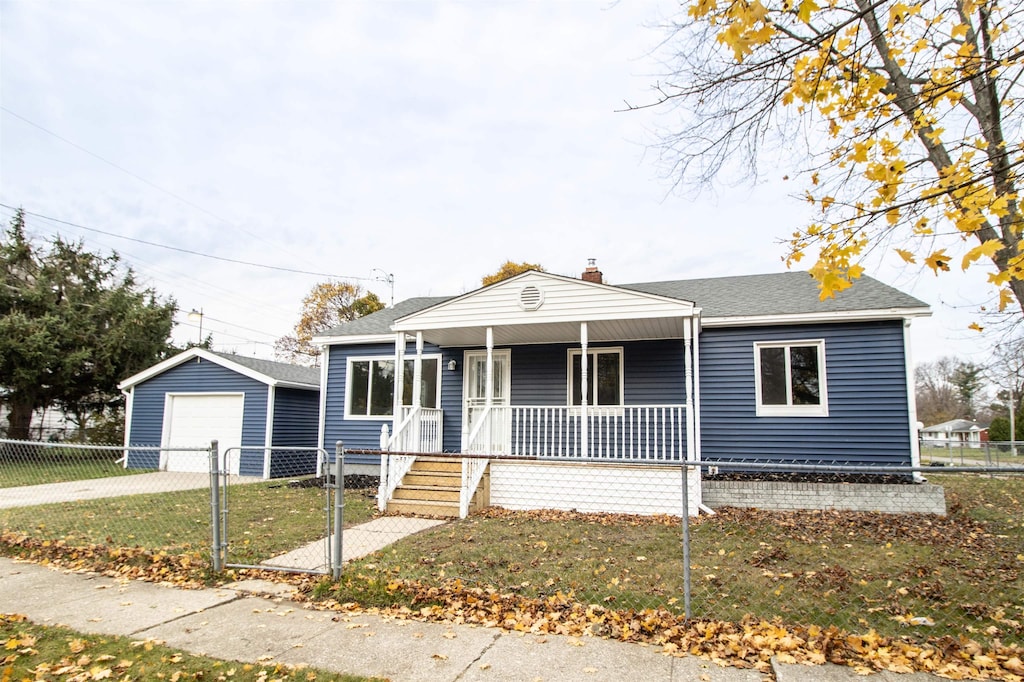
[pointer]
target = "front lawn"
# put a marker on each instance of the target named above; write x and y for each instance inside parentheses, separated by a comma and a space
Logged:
(915, 575)
(264, 519)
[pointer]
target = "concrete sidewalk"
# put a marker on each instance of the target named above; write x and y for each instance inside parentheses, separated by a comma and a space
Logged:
(232, 623)
(356, 542)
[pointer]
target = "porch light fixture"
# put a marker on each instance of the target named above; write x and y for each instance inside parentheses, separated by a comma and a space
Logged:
(451, 365)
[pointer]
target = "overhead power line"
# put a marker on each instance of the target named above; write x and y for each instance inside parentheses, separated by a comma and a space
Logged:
(187, 251)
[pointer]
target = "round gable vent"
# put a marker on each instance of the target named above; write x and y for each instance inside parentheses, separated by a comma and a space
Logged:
(530, 297)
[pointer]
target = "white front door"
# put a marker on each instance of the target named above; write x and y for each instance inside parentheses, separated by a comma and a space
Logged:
(495, 435)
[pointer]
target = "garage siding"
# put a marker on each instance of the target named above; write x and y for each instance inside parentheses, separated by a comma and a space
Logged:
(296, 416)
(195, 376)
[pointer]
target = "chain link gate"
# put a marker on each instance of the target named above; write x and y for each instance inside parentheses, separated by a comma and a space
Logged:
(301, 499)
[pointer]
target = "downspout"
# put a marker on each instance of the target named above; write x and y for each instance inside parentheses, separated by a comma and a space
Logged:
(128, 403)
(268, 435)
(915, 445)
(325, 360)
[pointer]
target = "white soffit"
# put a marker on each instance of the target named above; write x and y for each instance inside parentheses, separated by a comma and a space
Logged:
(563, 300)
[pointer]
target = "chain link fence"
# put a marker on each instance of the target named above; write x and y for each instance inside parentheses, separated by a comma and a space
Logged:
(929, 554)
(916, 553)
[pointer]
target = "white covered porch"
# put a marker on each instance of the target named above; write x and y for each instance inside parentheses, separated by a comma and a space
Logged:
(586, 440)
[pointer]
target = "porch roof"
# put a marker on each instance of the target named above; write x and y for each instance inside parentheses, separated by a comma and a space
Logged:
(540, 307)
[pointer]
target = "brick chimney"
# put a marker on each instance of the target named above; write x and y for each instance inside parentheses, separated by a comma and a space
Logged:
(592, 274)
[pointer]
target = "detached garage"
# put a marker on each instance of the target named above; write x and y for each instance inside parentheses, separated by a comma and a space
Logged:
(198, 396)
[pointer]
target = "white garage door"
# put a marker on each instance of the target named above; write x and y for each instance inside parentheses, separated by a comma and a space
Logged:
(194, 421)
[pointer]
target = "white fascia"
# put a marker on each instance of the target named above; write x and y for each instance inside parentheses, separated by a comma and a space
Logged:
(355, 340)
(809, 318)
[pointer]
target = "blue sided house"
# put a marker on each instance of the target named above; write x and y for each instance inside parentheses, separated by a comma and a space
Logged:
(589, 396)
(250, 406)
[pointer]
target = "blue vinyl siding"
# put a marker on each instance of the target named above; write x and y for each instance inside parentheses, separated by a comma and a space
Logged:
(296, 420)
(867, 420)
(196, 377)
(866, 381)
(364, 434)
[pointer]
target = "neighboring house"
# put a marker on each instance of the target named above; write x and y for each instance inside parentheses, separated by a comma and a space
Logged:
(593, 394)
(248, 405)
(955, 432)
(47, 424)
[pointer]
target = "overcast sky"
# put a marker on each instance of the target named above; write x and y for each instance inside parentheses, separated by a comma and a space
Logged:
(428, 140)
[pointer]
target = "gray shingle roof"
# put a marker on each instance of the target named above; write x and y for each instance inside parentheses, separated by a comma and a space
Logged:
(783, 293)
(280, 371)
(380, 321)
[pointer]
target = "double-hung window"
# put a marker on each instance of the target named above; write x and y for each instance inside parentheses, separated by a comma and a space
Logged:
(371, 385)
(790, 378)
(604, 376)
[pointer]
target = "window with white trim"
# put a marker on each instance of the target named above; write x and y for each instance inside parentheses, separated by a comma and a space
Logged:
(370, 386)
(604, 376)
(790, 378)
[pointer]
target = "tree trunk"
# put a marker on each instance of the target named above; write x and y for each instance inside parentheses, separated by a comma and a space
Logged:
(19, 419)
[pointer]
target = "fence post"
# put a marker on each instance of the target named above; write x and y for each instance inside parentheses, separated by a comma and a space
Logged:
(215, 504)
(686, 540)
(339, 506)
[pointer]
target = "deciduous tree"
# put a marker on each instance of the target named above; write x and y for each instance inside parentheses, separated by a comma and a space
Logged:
(326, 305)
(509, 269)
(903, 118)
(72, 325)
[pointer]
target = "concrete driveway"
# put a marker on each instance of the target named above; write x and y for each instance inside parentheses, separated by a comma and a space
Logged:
(117, 486)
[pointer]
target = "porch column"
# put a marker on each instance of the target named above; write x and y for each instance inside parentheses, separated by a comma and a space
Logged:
(584, 420)
(396, 404)
(695, 354)
(489, 387)
(417, 371)
(688, 371)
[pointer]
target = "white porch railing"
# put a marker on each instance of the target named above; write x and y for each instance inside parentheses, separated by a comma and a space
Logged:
(420, 431)
(636, 433)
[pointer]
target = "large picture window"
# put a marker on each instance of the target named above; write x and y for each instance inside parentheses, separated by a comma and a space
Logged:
(790, 378)
(604, 376)
(371, 385)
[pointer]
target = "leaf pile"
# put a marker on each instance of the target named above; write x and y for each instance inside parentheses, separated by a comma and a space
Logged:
(186, 569)
(749, 643)
(596, 518)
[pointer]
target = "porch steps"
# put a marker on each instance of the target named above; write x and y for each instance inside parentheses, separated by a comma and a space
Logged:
(431, 488)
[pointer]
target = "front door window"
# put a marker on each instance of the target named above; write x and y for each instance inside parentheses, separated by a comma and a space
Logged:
(493, 436)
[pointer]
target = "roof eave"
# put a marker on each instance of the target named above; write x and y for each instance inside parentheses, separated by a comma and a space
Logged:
(191, 354)
(810, 318)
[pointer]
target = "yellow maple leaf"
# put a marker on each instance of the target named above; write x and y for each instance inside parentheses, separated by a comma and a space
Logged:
(987, 249)
(1005, 299)
(906, 255)
(976, 327)
(938, 260)
(805, 10)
